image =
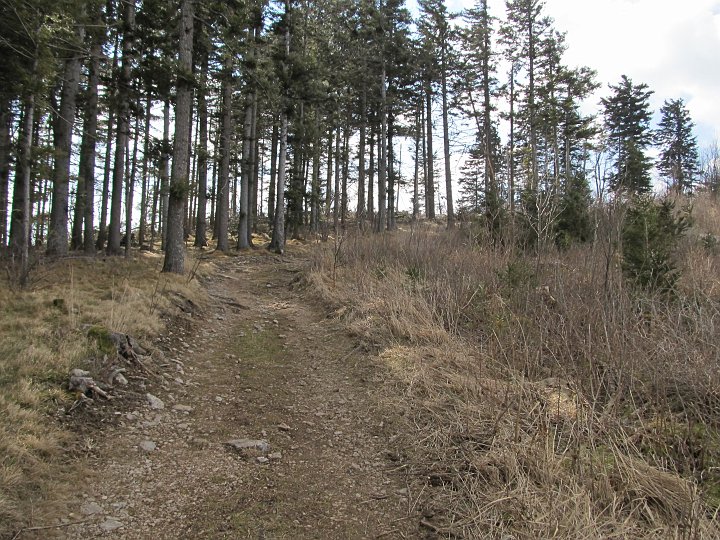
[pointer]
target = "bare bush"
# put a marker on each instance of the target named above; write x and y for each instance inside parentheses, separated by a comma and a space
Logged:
(540, 398)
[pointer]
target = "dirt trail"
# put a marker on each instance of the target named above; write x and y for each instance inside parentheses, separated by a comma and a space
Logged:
(261, 364)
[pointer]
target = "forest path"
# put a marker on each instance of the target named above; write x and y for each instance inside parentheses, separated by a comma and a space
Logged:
(263, 363)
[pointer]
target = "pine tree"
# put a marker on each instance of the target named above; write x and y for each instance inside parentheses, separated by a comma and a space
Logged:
(678, 161)
(478, 91)
(175, 247)
(627, 120)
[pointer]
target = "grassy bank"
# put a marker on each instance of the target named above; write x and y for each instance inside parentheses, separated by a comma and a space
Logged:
(43, 335)
(540, 396)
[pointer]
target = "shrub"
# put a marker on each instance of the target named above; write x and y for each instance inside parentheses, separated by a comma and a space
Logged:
(650, 235)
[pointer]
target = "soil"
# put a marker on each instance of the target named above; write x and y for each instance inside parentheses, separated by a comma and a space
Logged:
(260, 361)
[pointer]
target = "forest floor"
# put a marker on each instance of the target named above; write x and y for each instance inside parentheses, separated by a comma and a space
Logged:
(259, 361)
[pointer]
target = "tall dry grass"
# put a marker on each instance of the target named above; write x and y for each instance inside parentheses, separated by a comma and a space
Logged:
(43, 334)
(541, 397)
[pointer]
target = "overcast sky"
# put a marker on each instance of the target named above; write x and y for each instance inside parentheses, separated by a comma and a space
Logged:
(672, 46)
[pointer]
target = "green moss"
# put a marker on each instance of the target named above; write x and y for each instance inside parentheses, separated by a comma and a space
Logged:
(259, 347)
(102, 337)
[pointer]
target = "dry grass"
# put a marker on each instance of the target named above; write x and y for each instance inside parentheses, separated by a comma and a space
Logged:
(43, 334)
(540, 397)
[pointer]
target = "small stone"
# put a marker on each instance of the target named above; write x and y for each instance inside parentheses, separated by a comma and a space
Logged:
(120, 379)
(262, 459)
(283, 427)
(218, 398)
(275, 456)
(148, 446)
(182, 408)
(249, 444)
(91, 508)
(111, 524)
(154, 402)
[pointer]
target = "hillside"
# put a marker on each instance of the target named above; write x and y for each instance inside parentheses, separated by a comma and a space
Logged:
(412, 384)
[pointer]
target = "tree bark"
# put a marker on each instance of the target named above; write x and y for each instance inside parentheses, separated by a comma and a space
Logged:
(202, 158)
(329, 174)
(175, 245)
(20, 219)
(114, 237)
(5, 129)
(142, 228)
(382, 158)
(336, 188)
(164, 174)
(273, 169)
(278, 238)
(371, 178)
(446, 137)
(58, 232)
(223, 181)
(416, 184)
(345, 172)
(315, 186)
(361, 203)
(130, 185)
(391, 173)
(429, 177)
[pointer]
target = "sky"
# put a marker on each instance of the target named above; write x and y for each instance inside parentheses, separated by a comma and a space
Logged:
(672, 46)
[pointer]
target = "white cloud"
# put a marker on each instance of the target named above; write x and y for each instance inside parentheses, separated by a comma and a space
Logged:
(671, 46)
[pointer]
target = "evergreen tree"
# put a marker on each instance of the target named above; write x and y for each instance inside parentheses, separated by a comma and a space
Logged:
(478, 92)
(175, 247)
(627, 121)
(650, 235)
(678, 161)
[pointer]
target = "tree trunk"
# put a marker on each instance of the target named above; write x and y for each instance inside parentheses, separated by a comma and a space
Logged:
(164, 174)
(336, 188)
(273, 170)
(130, 186)
(416, 184)
(223, 181)
(254, 176)
(20, 217)
(5, 130)
(345, 173)
(278, 238)
(202, 158)
(142, 229)
(391, 173)
(446, 138)
(315, 186)
(361, 203)
(371, 177)
(429, 177)
(382, 158)
(58, 233)
(175, 244)
(329, 174)
(128, 53)
(246, 172)
(511, 151)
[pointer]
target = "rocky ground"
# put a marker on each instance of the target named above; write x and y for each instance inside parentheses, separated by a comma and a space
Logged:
(262, 425)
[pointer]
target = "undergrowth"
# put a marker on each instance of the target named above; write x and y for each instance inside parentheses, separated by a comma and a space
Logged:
(542, 397)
